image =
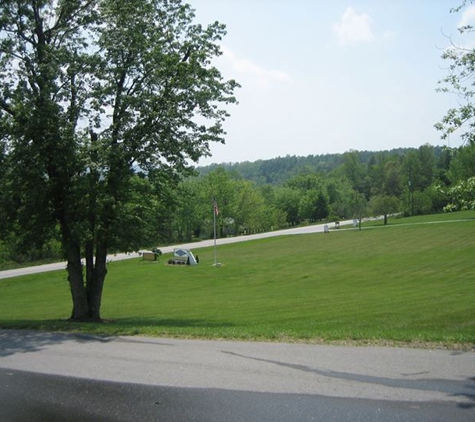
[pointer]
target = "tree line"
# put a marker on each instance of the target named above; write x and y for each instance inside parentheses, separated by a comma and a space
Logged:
(408, 181)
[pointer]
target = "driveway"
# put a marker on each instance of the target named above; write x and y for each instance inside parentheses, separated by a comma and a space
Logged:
(318, 228)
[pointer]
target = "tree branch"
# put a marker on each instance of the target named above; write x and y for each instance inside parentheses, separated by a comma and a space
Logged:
(6, 107)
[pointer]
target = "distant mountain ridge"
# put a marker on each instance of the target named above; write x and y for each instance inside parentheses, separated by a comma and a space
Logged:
(277, 170)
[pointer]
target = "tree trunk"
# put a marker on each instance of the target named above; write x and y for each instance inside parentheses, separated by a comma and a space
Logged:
(89, 264)
(95, 287)
(87, 298)
(76, 283)
(385, 219)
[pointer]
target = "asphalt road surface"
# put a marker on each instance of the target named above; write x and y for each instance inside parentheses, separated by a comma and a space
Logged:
(70, 377)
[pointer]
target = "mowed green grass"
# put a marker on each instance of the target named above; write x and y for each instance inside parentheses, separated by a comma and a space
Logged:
(407, 282)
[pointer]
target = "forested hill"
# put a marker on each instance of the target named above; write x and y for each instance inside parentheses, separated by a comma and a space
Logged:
(276, 171)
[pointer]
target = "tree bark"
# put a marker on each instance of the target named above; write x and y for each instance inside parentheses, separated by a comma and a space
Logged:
(95, 287)
(76, 283)
(87, 297)
(89, 270)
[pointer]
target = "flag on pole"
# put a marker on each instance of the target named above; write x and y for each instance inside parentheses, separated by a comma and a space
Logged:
(215, 207)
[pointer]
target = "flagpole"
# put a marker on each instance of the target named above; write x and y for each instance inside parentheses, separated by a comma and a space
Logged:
(214, 226)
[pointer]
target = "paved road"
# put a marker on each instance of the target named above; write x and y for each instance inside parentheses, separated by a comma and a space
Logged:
(137, 378)
(318, 228)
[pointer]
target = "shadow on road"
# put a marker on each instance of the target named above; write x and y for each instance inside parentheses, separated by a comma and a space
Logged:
(37, 397)
(454, 388)
(14, 341)
(19, 341)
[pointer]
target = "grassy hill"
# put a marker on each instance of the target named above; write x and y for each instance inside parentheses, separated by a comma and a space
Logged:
(412, 281)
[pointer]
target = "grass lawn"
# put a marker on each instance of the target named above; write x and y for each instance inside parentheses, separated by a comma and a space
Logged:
(411, 282)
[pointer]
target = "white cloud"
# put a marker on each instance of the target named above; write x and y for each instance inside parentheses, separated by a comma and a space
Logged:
(389, 35)
(468, 17)
(353, 27)
(245, 66)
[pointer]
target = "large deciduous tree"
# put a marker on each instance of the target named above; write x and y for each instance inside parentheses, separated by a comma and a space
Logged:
(91, 91)
(460, 81)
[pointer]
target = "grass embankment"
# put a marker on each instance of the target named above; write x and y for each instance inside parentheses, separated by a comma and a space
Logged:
(401, 283)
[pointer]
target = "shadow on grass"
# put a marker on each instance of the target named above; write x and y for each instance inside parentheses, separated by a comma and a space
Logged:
(169, 322)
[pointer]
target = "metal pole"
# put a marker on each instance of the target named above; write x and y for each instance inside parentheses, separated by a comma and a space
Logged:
(214, 229)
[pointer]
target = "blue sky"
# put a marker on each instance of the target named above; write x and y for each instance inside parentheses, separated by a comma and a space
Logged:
(329, 76)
